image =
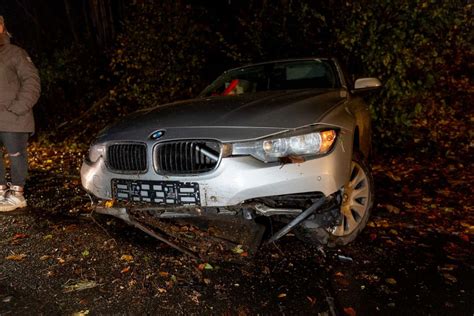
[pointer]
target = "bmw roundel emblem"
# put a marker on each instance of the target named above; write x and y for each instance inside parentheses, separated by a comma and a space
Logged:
(157, 135)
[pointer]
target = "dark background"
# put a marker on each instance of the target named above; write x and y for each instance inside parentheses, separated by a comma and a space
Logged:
(102, 59)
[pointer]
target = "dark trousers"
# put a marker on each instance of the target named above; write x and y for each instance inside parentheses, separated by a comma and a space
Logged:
(15, 145)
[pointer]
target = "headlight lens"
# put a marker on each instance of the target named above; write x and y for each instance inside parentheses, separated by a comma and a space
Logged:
(95, 152)
(270, 150)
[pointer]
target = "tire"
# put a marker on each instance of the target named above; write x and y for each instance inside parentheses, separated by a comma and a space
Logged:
(355, 208)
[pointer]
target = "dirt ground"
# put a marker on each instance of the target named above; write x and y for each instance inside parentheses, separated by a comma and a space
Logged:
(415, 256)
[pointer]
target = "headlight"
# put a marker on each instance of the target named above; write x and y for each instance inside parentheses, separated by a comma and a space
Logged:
(270, 150)
(95, 152)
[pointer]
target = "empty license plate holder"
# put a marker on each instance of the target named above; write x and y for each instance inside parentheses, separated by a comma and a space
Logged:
(158, 192)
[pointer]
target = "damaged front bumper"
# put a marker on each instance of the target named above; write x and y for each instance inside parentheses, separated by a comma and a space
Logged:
(322, 212)
(234, 181)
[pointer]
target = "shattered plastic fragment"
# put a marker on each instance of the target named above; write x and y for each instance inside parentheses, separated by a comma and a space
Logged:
(344, 258)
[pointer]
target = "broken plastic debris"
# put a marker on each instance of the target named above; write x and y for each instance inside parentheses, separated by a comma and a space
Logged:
(7, 299)
(344, 258)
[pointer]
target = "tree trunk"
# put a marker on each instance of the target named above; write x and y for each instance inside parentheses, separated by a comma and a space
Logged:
(86, 19)
(71, 21)
(103, 21)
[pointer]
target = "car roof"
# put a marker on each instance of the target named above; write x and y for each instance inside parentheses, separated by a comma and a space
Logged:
(279, 61)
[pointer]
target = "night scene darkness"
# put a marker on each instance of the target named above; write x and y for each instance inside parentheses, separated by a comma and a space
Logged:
(236, 157)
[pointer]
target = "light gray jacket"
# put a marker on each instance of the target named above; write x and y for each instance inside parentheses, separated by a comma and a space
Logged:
(19, 88)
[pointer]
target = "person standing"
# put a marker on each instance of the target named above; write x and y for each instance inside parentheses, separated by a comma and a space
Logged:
(19, 91)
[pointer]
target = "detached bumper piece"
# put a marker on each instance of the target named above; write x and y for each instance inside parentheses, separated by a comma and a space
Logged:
(123, 215)
(199, 233)
(295, 222)
(229, 227)
(324, 212)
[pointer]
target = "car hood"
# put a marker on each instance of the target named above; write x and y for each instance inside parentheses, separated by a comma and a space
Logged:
(228, 118)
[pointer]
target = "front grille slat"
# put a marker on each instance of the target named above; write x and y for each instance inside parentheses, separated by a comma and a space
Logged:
(182, 147)
(126, 149)
(127, 157)
(187, 157)
(176, 156)
(192, 156)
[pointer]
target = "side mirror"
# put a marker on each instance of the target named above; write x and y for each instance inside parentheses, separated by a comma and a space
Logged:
(366, 84)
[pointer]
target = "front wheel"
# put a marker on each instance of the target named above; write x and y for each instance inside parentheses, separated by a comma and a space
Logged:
(357, 201)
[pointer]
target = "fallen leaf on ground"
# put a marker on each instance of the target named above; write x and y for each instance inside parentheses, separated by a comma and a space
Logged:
(392, 209)
(394, 177)
(205, 266)
(238, 249)
(16, 257)
(195, 296)
(282, 295)
(448, 267)
(393, 232)
(342, 282)
(19, 236)
(163, 274)
(450, 278)
(391, 281)
(469, 227)
(125, 270)
(127, 258)
(79, 286)
(71, 228)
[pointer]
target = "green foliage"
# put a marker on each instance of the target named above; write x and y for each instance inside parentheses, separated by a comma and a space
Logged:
(168, 50)
(421, 50)
(69, 84)
(277, 30)
(418, 48)
(160, 54)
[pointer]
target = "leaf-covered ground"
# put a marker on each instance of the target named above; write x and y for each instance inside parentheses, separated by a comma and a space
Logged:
(415, 256)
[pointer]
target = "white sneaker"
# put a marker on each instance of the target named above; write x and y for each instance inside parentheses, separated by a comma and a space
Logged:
(3, 192)
(12, 202)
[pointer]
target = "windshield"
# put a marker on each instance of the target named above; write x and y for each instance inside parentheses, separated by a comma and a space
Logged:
(303, 74)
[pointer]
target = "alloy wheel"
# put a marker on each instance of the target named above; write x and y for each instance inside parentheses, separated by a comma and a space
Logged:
(355, 202)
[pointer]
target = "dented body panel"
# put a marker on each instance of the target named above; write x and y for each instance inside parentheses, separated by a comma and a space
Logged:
(238, 179)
